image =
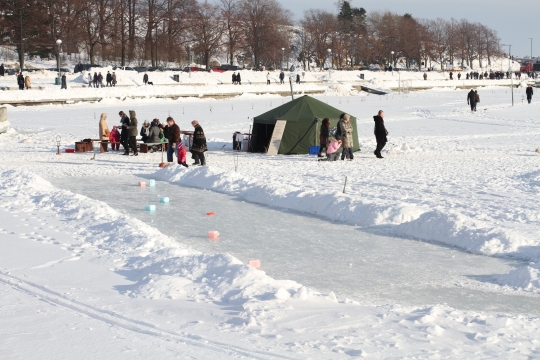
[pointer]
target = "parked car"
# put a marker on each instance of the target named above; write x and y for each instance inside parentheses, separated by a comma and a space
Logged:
(193, 69)
(84, 67)
(126, 68)
(227, 67)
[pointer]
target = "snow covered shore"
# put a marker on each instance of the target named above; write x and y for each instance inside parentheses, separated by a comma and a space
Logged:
(466, 180)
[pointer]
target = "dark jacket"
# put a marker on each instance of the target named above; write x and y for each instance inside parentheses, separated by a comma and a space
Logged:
(238, 78)
(145, 78)
(109, 77)
(173, 133)
(64, 81)
(133, 123)
(199, 140)
(2, 70)
(529, 92)
(125, 131)
(471, 97)
(153, 135)
(325, 129)
(145, 131)
(380, 130)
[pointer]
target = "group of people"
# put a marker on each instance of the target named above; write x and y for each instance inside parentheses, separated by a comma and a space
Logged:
(236, 79)
(343, 138)
(97, 79)
(155, 134)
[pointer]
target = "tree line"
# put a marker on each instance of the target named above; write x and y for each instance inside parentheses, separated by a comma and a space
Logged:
(250, 32)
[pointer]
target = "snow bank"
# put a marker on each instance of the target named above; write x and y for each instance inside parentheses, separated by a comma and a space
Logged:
(443, 225)
(164, 268)
(523, 277)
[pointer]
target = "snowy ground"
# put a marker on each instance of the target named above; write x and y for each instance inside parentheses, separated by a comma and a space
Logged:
(455, 179)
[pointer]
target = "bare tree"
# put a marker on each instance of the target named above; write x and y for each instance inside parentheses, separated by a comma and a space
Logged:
(207, 29)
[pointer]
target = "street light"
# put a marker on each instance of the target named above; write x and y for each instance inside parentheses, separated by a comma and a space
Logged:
(282, 57)
(391, 52)
(189, 60)
(58, 42)
(331, 64)
(531, 49)
(510, 69)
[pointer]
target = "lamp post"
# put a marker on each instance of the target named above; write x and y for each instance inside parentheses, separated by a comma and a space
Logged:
(531, 49)
(58, 42)
(189, 59)
(282, 58)
(510, 69)
(392, 64)
(331, 64)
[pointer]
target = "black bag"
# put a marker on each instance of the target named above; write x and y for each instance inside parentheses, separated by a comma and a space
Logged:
(87, 140)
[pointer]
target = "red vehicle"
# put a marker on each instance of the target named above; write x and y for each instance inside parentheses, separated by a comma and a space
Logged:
(526, 67)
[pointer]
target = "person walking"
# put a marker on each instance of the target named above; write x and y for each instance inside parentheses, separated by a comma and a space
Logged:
(380, 133)
(459, 76)
(20, 81)
(347, 137)
(529, 93)
(325, 132)
(471, 100)
(90, 79)
(268, 78)
(199, 144)
(281, 77)
(27, 82)
(2, 70)
(124, 135)
(234, 78)
(145, 78)
(109, 79)
(425, 76)
(64, 82)
(133, 125)
(95, 79)
(238, 79)
(298, 78)
(100, 80)
(172, 133)
(114, 79)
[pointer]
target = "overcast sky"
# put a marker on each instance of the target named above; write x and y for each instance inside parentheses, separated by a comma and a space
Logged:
(514, 21)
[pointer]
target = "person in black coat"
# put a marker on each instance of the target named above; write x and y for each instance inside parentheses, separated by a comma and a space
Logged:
(471, 100)
(145, 78)
(529, 93)
(124, 134)
(238, 79)
(2, 70)
(380, 133)
(234, 78)
(281, 77)
(109, 78)
(199, 144)
(20, 81)
(298, 78)
(64, 82)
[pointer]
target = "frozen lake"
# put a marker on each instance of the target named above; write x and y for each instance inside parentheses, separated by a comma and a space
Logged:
(327, 256)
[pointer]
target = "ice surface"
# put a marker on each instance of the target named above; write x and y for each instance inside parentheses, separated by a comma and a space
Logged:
(327, 256)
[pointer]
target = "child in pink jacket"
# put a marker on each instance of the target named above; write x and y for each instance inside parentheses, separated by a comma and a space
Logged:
(114, 138)
(181, 155)
(332, 153)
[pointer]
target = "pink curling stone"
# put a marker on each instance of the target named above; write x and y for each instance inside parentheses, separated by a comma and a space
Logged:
(142, 183)
(254, 263)
(213, 234)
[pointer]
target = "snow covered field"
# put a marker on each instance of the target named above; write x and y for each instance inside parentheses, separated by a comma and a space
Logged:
(76, 270)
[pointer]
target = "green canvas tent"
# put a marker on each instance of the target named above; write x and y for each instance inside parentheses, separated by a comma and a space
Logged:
(302, 130)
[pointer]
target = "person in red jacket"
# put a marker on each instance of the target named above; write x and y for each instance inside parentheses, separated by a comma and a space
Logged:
(181, 154)
(114, 138)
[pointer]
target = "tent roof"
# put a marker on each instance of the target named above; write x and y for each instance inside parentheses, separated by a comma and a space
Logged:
(304, 108)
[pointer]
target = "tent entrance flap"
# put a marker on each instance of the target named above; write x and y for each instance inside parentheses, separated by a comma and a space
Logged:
(277, 135)
(262, 135)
